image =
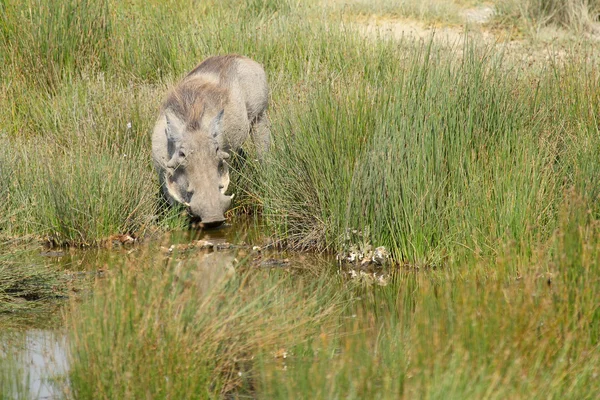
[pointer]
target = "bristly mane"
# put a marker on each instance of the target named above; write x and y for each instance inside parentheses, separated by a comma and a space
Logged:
(192, 98)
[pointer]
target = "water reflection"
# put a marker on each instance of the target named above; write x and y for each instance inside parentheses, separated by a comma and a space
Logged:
(34, 365)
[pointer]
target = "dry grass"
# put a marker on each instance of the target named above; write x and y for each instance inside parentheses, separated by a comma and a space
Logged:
(580, 16)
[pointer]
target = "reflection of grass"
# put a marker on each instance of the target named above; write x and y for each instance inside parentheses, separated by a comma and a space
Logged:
(32, 364)
(522, 327)
(13, 374)
(188, 329)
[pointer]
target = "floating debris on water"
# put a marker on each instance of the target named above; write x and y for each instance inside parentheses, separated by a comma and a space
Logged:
(205, 245)
(362, 261)
(119, 240)
(359, 254)
(275, 263)
(222, 246)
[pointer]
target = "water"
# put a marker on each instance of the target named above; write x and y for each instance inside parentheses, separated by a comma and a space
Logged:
(34, 365)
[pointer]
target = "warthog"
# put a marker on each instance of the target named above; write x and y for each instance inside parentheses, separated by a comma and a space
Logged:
(205, 118)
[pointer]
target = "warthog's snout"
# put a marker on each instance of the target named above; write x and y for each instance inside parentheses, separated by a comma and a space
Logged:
(208, 214)
(211, 225)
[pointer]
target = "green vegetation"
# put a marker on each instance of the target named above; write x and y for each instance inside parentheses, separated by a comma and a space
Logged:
(430, 153)
(432, 156)
(478, 172)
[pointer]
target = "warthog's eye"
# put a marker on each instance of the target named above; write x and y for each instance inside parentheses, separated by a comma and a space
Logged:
(181, 154)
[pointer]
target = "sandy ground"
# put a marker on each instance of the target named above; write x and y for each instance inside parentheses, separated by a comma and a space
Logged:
(402, 28)
(551, 45)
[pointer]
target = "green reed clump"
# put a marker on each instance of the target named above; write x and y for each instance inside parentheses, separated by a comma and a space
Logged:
(432, 155)
(86, 199)
(80, 170)
(188, 328)
(48, 40)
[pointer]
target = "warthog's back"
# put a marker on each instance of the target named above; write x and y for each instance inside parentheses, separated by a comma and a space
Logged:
(244, 78)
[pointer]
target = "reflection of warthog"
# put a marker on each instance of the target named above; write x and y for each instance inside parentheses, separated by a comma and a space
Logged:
(209, 114)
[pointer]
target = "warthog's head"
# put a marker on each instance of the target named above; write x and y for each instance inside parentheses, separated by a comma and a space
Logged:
(197, 174)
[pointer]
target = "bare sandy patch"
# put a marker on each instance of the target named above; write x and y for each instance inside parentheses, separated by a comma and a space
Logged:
(552, 47)
(399, 28)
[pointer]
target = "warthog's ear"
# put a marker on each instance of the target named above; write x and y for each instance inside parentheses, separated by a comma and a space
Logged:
(173, 129)
(216, 125)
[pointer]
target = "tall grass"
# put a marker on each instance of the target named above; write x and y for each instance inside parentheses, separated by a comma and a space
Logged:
(202, 325)
(80, 171)
(434, 155)
(48, 39)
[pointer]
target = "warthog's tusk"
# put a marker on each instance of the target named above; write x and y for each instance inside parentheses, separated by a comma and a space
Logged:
(231, 197)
